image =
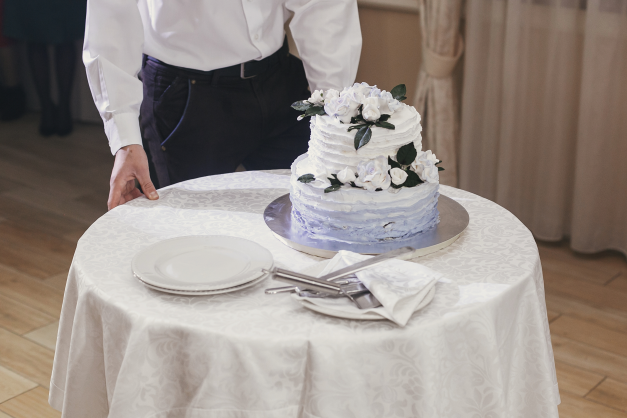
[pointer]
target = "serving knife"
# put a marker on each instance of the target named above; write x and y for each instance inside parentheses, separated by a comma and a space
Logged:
(402, 253)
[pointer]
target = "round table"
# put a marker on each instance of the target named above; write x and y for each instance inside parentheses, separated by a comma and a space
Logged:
(480, 348)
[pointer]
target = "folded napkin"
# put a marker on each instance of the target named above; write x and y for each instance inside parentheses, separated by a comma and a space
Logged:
(400, 286)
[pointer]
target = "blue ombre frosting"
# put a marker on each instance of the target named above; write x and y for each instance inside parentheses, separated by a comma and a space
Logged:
(356, 215)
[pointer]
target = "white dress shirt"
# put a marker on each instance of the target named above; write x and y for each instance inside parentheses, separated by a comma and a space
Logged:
(206, 35)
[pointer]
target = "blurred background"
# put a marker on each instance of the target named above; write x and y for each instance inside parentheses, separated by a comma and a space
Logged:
(524, 100)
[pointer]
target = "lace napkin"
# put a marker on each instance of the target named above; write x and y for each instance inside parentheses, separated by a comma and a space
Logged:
(400, 286)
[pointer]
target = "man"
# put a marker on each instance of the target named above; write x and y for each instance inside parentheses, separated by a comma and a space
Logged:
(217, 82)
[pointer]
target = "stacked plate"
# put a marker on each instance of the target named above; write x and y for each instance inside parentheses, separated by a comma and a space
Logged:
(202, 264)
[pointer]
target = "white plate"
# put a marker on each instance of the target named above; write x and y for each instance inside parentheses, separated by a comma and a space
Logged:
(201, 263)
(363, 316)
(205, 292)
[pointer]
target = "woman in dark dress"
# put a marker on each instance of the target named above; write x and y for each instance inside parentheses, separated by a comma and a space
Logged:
(41, 23)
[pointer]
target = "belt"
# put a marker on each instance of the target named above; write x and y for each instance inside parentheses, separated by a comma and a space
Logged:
(245, 70)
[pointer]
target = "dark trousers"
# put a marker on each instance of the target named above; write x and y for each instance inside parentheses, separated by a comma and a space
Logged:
(197, 123)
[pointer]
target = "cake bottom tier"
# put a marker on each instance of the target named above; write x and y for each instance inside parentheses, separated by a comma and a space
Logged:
(357, 215)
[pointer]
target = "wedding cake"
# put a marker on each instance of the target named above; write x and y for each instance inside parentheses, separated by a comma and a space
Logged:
(365, 178)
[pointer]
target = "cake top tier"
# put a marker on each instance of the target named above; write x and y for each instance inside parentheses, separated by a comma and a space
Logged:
(360, 106)
(366, 138)
(332, 144)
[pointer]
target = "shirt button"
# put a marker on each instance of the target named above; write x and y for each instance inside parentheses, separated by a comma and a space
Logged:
(256, 36)
(162, 148)
(193, 81)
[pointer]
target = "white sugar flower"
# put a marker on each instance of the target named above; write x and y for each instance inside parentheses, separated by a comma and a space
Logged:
(359, 92)
(398, 176)
(346, 176)
(317, 98)
(371, 110)
(342, 108)
(387, 103)
(424, 166)
(375, 92)
(321, 176)
(330, 95)
(374, 174)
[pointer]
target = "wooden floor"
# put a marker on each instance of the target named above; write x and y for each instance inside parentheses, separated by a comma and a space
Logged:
(52, 189)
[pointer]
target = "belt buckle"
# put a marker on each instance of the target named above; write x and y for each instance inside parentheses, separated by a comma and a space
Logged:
(242, 72)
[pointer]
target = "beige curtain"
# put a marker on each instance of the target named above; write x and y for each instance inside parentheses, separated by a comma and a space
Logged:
(436, 98)
(544, 116)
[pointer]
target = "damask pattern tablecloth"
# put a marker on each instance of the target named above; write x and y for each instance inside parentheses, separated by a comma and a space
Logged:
(481, 348)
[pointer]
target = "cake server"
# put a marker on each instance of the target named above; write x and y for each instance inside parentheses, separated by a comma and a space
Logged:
(308, 282)
(356, 292)
(402, 253)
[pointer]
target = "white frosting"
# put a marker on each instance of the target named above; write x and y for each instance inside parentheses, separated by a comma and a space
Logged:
(333, 147)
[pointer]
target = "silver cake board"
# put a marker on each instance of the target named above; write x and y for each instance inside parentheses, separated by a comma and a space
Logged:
(453, 221)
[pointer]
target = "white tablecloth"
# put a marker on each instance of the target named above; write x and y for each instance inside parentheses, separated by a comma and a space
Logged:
(480, 349)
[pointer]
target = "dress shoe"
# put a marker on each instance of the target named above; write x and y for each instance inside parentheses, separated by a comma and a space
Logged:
(48, 123)
(64, 121)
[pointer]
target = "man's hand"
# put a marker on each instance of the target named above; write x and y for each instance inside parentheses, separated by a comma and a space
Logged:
(130, 163)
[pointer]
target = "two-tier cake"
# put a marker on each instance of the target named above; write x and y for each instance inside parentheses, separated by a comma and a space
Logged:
(365, 178)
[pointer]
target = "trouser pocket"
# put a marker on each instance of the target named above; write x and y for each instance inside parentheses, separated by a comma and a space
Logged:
(170, 100)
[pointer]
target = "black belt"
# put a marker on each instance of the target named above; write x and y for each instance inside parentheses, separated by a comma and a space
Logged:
(244, 70)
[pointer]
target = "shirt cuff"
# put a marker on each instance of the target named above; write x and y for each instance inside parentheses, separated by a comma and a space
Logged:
(123, 130)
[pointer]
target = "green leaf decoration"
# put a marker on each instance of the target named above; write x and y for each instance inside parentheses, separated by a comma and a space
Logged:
(412, 179)
(385, 125)
(362, 137)
(396, 186)
(406, 154)
(354, 185)
(315, 110)
(306, 178)
(301, 105)
(355, 127)
(332, 188)
(439, 162)
(334, 180)
(399, 91)
(357, 119)
(393, 163)
(440, 168)
(384, 117)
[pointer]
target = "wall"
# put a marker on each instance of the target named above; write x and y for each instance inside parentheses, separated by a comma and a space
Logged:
(391, 52)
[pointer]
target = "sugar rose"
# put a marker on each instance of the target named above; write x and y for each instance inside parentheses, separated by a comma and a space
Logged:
(374, 174)
(346, 176)
(398, 176)
(321, 176)
(360, 91)
(342, 108)
(371, 110)
(317, 97)
(331, 94)
(387, 103)
(424, 166)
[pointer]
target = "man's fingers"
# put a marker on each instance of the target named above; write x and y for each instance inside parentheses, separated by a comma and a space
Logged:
(115, 194)
(130, 164)
(147, 187)
(133, 194)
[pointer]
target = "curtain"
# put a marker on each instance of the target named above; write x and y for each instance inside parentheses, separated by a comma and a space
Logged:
(544, 116)
(436, 98)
